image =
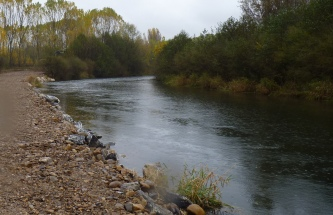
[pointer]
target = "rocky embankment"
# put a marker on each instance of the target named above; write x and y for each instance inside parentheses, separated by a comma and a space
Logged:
(44, 170)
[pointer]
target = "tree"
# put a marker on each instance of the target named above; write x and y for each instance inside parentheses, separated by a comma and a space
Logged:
(104, 21)
(260, 10)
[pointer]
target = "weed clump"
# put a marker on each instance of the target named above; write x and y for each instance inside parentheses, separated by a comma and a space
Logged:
(202, 187)
(35, 82)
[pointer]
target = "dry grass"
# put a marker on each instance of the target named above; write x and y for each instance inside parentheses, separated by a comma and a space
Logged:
(34, 81)
(156, 173)
(242, 85)
(202, 186)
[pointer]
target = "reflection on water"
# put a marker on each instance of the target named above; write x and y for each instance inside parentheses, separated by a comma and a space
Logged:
(278, 151)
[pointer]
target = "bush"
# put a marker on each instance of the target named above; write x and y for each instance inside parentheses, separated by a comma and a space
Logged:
(241, 85)
(320, 90)
(202, 187)
(177, 81)
(266, 86)
(62, 68)
(57, 68)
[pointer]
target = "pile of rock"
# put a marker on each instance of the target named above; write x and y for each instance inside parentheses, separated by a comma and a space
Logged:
(44, 79)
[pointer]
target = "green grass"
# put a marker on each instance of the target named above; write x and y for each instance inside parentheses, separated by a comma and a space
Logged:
(202, 186)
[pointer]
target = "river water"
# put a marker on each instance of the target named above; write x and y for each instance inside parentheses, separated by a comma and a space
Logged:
(278, 151)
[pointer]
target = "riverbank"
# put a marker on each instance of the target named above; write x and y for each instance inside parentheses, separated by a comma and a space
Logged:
(43, 172)
(316, 90)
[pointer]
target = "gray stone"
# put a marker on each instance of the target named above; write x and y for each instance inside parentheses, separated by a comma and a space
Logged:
(170, 197)
(77, 139)
(129, 207)
(119, 206)
(154, 208)
(93, 140)
(52, 99)
(109, 155)
(130, 186)
(68, 118)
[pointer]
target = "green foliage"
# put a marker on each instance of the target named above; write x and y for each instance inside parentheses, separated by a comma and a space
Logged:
(109, 56)
(202, 187)
(287, 49)
(204, 81)
(165, 59)
(66, 68)
(321, 90)
(266, 86)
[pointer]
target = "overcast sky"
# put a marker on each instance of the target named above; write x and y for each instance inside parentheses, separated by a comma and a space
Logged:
(169, 16)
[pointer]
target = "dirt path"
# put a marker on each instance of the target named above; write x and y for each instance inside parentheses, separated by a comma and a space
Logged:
(41, 172)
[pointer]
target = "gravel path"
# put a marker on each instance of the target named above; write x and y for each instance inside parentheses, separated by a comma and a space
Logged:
(41, 172)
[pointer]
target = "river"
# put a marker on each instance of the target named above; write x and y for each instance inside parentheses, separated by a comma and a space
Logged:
(278, 151)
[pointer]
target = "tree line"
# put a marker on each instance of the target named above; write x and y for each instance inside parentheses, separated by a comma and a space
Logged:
(71, 43)
(276, 46)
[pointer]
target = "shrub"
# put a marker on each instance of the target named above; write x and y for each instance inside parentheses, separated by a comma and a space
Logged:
(266, 86)
(241, 85)
(57, 68)
(202, 187)
(320, 90)
(177, 81)
(217, 83)
(204, 81)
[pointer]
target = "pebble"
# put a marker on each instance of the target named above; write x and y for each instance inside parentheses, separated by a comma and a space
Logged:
(130, 193)
(119, 206)
(129, 207)
(79, 159)
(138, 207)
(53, 179)
(130, 186)
(45, 160)
(99, 157)
(115, 184)
(195, 209)
(97, 151)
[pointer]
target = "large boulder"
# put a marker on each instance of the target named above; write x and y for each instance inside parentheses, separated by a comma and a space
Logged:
(52, 99)
(170, 197)
(77, 139)
(152, 206)
(68, 118)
